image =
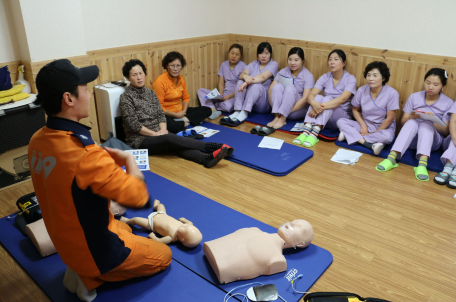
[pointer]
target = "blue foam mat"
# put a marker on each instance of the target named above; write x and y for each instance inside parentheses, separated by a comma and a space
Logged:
(216, 220)
(409, 157)
(265, 118)
(246, 151)
(176, 283)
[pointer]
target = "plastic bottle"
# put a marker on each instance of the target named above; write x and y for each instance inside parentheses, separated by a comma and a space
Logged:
(21, 80)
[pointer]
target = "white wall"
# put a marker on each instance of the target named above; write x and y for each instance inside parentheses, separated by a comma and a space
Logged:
(54, 28)
(50, 29)
(421, 26)
(9, 50)
(113, 23)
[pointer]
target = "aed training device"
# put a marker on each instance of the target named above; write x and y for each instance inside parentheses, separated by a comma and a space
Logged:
(338, 297)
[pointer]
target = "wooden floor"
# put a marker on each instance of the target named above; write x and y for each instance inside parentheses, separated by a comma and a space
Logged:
(392, 236)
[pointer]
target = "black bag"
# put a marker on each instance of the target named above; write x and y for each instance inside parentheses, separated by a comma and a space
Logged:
(30, 211)
(113, 142)
(337, 297)
(5, 79)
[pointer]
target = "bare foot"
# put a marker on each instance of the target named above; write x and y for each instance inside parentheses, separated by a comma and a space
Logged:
(281, 121)
(124, 219)
(272, 123)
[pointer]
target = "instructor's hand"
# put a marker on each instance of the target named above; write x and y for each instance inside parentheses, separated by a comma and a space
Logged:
(119, 156)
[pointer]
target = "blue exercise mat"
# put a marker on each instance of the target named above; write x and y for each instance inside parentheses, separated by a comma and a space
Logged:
(176, 283)
(265, 118)
(246, 151)
(215, 220)
(409, 157)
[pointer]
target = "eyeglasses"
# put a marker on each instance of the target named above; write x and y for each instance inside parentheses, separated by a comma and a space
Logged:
(175, 67)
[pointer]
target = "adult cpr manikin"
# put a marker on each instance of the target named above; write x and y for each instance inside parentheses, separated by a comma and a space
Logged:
(250, 252)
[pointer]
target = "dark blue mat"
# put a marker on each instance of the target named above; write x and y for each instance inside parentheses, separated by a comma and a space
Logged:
(264, 118)
(409, 157)
(216, 220)
(48, 274)
(246, 151)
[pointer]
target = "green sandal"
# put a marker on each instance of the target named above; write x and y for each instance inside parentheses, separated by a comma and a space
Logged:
(387, 165)
(421, 170)
(311, 141)
(300, 139)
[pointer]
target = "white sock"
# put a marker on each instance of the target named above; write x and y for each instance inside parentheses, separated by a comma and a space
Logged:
(74, 284)
(315, 131)
(235, 114)
(341, 137)
(377, 148)
(242, 115)
(215, 114)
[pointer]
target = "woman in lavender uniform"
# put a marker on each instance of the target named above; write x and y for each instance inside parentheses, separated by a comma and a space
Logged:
(291, 101)
(339, 87)
(374, 108)
(252, 89)
(228, 76)
(448, 175)
(423, 135)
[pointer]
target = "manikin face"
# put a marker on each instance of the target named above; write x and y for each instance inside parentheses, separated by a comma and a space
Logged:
(174, 68)
(433, 85)
(295, 62)
(298, 233)
(137, 77)
(189, 235)
(82, 102)
(265, 56)
(374, 78)
(234, 55)
(335, 63)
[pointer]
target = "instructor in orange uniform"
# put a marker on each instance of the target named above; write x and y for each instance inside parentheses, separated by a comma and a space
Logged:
(74, 179)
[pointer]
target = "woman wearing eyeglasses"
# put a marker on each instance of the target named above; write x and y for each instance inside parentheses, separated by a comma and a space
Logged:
(171, 90)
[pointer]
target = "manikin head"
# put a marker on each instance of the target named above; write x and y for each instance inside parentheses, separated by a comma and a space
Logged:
(298, 233)
(189, 235)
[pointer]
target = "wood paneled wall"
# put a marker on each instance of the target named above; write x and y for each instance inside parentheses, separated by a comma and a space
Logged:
(205, 54)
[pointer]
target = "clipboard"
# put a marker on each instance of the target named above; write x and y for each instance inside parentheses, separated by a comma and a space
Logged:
(432, 118)
(285, 81)
(214, 95)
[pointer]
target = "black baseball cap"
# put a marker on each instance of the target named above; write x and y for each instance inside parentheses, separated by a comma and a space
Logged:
(60, 76)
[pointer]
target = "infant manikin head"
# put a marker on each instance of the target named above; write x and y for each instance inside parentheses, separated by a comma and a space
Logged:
(189, 235)
(298, 233)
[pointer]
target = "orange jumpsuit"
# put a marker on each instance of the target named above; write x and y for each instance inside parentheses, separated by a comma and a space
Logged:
(74, 179)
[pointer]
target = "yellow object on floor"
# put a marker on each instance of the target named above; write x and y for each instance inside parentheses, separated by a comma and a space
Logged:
(15, 98)
(15, 90)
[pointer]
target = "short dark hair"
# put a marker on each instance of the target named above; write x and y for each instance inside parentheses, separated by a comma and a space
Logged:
(241, 49)
(262, 46)
(130, 64)
(297, 51)
(171, 56)
(441, 73)
(340, 53)
(52, 105)
(382, 67)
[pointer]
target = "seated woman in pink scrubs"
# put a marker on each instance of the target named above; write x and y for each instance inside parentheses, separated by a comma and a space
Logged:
(374, 109)
(416, 133)
(252, 89)
(290, 101)
(228, 76)
(339, 87)
(448, 175)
